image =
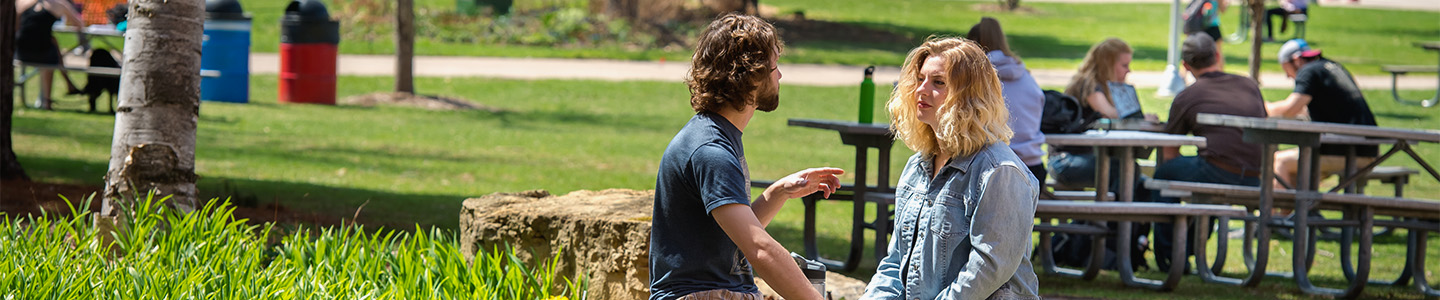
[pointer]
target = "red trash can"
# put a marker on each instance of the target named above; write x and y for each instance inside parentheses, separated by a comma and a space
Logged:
(309, 42)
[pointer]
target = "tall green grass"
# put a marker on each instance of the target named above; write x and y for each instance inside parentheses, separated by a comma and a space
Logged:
(208, 254)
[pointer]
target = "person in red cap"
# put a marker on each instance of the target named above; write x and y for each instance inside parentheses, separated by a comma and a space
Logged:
(1330, 94)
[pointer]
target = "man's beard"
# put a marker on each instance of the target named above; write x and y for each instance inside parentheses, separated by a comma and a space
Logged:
(768, 99)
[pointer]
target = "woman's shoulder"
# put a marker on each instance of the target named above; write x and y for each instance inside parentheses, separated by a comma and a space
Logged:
(996, 155)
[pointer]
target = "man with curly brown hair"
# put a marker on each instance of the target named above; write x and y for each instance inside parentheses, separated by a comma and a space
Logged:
(707, 238)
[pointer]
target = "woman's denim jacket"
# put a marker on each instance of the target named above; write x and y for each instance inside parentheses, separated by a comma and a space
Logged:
(964, 234)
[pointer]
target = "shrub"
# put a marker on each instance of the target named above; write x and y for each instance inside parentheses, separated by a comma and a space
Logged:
(159, 253)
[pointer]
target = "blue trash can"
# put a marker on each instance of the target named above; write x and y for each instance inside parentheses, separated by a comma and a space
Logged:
(226, 49)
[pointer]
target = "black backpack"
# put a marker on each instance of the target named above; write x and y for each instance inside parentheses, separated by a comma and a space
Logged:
(1073, 250)
(1064, 114)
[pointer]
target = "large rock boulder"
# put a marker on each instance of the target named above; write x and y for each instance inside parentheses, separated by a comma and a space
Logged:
(604, 235)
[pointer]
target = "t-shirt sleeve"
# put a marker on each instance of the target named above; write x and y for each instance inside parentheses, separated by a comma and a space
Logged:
(1307, 80)
(719, 176)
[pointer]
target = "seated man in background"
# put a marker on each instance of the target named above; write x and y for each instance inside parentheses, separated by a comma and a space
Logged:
(1329, 92)
(1226, 159)
(1287, 8)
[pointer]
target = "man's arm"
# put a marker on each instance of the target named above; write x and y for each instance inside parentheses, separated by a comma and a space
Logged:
(1288, 108)
(770, 259)
(62, 9)
(793, 186)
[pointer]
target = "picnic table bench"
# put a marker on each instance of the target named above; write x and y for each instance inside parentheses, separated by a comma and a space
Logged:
(1307, 136)
(29, 70)
(1103, 211)
(1397, 70)
(1417, 215)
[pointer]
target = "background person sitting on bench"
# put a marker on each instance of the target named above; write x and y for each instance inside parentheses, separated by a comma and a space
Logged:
(35, 44)
(1227, 159)
(1287, 8)
(1329, 92)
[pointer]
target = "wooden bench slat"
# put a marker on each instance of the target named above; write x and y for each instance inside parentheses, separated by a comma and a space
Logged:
(1383, 172)
(1402, 69)
(1380, 203)
(1075, 195)
(1136, 208)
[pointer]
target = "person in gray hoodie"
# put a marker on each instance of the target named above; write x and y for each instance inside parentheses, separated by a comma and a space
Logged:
(1022, 95)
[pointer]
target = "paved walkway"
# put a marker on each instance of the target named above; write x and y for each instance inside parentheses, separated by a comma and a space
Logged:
(794, 74)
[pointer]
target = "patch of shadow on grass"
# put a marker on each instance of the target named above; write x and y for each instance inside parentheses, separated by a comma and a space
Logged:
(629, 122)
(397, 211)
(900, 39)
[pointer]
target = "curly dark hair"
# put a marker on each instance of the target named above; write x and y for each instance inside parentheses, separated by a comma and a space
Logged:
(732, 60)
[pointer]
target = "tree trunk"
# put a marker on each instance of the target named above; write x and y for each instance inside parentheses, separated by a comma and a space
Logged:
(405, 46)
(9, 164)
(154, 146)
(1257, 15)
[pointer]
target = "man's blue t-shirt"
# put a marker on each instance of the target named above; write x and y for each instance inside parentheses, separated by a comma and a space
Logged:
(702, 169)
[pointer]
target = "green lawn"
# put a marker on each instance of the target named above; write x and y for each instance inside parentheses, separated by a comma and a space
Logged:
(415, 166)
(1047, 35)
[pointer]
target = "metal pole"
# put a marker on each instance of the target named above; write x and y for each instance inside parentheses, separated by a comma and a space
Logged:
(1174, 82)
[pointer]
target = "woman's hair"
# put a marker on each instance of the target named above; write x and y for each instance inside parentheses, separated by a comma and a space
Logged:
(1097, 69)
(731, 61)
(987, 33)
(972, 116)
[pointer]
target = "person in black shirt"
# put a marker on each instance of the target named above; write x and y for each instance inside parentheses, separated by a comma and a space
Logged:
(1328, 91)
(34, 43)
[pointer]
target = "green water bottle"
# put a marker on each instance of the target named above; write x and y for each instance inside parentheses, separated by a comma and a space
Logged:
(867, 96)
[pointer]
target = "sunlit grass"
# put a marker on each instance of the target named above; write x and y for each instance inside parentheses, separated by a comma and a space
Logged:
(159, 253)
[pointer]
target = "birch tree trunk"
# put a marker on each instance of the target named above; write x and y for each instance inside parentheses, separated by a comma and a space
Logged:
(405, 46)
(154, 146)
(9, 164)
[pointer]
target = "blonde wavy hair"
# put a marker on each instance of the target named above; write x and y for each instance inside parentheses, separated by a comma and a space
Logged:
(1097, 69)
(973, 115)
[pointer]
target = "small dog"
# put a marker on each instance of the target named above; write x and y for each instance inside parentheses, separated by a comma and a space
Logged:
(96, 84)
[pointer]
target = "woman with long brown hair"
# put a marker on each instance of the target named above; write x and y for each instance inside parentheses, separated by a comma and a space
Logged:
(1023, 97)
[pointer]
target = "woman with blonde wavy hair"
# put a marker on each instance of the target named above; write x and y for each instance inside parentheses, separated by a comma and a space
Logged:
(973, 197)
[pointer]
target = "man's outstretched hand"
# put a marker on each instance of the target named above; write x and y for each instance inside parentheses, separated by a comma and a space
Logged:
(806, 182)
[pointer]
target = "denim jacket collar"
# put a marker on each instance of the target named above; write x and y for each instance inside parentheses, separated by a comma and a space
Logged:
(961, 163)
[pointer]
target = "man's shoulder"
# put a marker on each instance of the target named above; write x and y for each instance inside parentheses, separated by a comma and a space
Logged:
(1221, 83)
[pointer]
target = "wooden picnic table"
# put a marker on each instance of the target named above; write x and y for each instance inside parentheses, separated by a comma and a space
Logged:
(864, 136)
(1397, 70)
(97, 30)
(1306, 136)
(1128, 145)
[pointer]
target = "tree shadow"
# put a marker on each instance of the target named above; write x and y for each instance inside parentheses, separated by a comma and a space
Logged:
(900, 39)
(629, 122)
(309, 203)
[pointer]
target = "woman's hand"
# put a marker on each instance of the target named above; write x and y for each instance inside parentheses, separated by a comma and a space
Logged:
(806, 182)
